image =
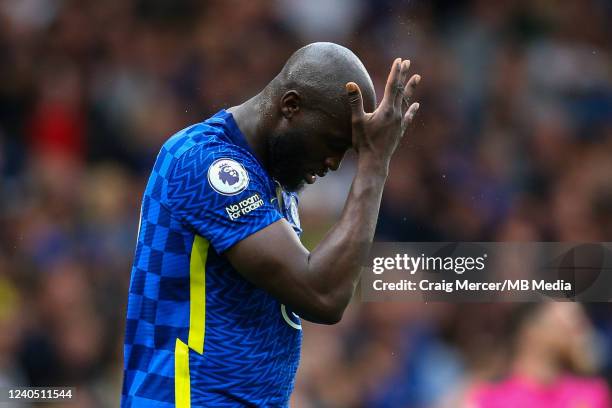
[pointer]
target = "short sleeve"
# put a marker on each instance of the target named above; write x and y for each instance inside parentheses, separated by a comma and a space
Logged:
(220, 193)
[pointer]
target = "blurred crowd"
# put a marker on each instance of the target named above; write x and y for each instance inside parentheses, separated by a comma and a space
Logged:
(513, 142)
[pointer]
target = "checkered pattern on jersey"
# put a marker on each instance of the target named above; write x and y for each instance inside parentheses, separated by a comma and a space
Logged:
(247, 342)
(158, 299)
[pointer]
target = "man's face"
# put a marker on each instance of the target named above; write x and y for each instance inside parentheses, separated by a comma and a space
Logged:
(306, 149)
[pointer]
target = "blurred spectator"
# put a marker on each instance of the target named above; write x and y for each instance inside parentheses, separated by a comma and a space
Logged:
(552, 345)
(512, 142)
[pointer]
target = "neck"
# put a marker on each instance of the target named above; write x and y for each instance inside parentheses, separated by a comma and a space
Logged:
(251, 117)
(536, 364)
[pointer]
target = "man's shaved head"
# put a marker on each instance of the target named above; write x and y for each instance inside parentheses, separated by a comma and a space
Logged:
(309, 126)
(300, 124)
(320, 72)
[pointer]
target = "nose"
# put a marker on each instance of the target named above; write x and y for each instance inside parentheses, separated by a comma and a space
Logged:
(333, 163)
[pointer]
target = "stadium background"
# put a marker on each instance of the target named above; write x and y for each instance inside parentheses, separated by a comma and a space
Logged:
(513, 141)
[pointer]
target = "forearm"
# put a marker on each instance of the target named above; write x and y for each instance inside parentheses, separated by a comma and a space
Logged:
(335, 263)
(319, 284)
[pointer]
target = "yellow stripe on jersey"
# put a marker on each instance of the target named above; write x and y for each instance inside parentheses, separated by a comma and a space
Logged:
(197, 294)
(197, 322)
(182, 385)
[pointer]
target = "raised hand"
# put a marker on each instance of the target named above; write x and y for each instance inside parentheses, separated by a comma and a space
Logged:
(377, 134)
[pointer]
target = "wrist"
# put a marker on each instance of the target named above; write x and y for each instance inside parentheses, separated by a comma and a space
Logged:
(373, 164)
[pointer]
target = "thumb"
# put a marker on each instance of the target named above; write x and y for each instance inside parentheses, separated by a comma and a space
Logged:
(355, 99)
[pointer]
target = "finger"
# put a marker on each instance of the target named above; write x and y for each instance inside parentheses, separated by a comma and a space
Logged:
(404, 67)
(391, 87)
(412, 110)
(355, 100)
(411, 86)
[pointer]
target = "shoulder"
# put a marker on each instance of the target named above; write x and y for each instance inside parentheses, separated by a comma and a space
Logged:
(199, 146)
(592, 384)
(210, 166)
(198, 141)
(187, 158)
(227, 168)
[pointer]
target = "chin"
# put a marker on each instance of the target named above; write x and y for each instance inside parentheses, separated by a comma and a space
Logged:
(290, 178)
(294, 187)
(292, 184)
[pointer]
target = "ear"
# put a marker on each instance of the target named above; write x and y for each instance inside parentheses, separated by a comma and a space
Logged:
(290, 103)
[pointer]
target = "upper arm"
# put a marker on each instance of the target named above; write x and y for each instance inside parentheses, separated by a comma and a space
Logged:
(275, 260)
(220, 194)
(236, 214)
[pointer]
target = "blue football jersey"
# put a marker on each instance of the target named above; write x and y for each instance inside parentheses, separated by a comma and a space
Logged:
(197, 333)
